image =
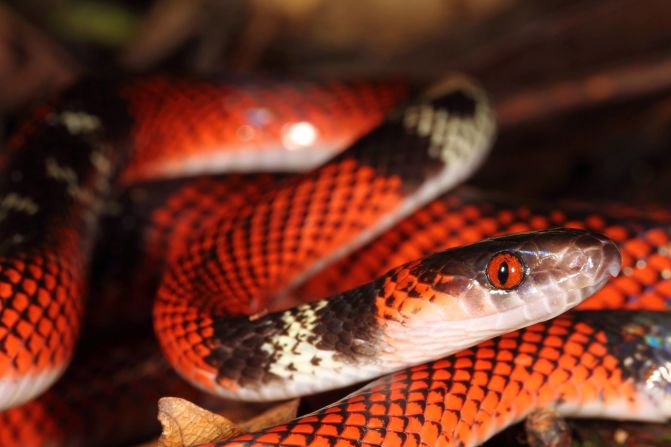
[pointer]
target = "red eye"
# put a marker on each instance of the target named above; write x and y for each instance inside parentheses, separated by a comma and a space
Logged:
(505, 271)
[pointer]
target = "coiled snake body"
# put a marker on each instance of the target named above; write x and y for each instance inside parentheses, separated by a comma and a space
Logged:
(449, 301)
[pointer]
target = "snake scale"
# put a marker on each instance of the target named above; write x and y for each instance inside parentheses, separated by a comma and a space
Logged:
(300, 239)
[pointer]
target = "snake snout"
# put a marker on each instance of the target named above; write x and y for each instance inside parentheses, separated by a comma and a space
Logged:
(613, 258)
(596, 258)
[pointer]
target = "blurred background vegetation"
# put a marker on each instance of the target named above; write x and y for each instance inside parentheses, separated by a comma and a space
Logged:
(587, 80)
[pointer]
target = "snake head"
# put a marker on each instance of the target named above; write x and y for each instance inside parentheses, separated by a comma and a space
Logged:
(459, 297)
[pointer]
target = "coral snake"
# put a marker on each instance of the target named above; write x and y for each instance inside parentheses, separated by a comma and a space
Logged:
(362, 226)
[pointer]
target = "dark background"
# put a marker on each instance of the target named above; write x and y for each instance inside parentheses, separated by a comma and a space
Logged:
(582, 88)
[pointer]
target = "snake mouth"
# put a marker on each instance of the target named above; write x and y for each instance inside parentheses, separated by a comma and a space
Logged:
(587, 292)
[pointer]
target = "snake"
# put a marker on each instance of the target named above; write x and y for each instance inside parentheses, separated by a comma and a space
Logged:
(581, 364)
(451, 295)
(50, 208)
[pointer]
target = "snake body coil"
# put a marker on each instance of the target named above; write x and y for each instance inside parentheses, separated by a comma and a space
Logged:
(582, 363)
(51, 195)
(215, 315)
(242, 262)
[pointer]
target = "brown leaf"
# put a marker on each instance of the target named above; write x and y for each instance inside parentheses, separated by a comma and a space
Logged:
(186, 424)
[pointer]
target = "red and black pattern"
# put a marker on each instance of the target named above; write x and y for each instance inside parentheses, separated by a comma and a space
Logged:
(58, 173)
(169, 213)
(467, 216)
(349, 328)
(61, 165)
(304, 221)
(606, 361)
(179, 119)
(268, 242)
(152, 224)
(106, 398)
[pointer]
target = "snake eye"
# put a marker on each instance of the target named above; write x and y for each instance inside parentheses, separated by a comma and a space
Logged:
(505, 271)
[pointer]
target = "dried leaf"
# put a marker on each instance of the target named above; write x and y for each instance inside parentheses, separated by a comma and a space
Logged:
(186, 424)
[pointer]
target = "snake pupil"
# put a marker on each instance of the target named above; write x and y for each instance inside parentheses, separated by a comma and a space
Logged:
(503, 273)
